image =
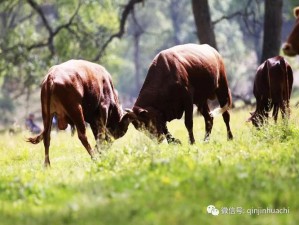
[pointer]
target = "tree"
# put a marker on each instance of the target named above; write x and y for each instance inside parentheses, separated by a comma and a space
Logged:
(272, 29)
(202, 18)
(137, 31)
(37, 34)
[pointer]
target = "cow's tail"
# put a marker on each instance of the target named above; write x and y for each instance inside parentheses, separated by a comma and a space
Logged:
(36, 139)
(266, 70)
(288, 86)
(286, 77)
(220, 110)
(45, 103)
(223, 94)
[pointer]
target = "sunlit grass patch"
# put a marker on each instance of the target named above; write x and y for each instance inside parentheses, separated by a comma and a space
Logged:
(137, 181)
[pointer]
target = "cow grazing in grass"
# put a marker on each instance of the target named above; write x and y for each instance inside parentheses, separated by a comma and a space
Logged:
(76, 92)
(177, 78)
(291, 47)
(272, 89)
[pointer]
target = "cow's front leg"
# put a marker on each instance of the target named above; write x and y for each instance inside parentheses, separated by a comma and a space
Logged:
(205, 111)
(76, 113)
(99, 142)
(103, 141)
(170, 139)
(189, 121)
(98, 133)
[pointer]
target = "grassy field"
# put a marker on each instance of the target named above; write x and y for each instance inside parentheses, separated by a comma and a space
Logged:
(138, 181)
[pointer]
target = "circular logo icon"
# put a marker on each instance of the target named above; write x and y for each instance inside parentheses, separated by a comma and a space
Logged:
(215, 212)
(210, 208)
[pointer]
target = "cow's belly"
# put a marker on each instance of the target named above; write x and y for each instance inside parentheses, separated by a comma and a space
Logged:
(201, 96)
(175, 111)
(61, 115)
(203, 91)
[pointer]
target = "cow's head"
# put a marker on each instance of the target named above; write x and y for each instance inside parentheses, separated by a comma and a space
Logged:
(256, 119)
(291, 47)
(119, 129)
(148, 120)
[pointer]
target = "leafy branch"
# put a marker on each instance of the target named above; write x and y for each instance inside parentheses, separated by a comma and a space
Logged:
(52, 32)
(126, 12)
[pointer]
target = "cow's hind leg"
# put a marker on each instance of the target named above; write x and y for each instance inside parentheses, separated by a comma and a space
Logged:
(285, 110)
(47, 138)
(226, 118)
(47, 120)
(224, 98)
(275, 112)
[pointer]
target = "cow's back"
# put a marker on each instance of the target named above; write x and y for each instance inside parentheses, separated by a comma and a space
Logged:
(203, 67)
(84, 83)
(79, 74)
(273, 80)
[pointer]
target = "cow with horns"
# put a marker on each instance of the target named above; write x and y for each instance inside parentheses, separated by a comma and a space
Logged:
(76, 92)
(177, 78)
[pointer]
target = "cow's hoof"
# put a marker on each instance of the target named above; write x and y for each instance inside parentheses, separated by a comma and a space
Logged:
(206, 139)
(192, 142)
(47, 165)
(230, 137)
(174, 141)
(94, 158)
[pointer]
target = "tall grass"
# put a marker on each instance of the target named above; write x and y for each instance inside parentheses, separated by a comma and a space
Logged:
(137, 181)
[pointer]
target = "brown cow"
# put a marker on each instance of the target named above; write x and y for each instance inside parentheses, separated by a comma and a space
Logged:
(77, 91)
(291, 47)
(178, 78)
(272, 89)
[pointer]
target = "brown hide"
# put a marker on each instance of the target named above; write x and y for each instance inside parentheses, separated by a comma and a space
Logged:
(76, 92)
(272, 89)
(178, 78)
(291, 47)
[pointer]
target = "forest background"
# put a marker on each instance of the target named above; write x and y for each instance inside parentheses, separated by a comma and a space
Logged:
(125, 35)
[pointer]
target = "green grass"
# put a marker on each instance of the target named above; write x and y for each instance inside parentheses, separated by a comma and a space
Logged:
(138, 181)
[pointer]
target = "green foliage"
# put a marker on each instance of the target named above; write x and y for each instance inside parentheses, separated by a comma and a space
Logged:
(24, 55)
(163, 24)
(120, 67)
(138, 181)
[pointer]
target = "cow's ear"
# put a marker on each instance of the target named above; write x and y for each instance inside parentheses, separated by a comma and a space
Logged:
(129, 115)
(250, 118)
(296, 12)
(127, 118)
(127, 110)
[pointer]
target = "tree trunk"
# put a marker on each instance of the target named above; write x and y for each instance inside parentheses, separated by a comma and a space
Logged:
(272, 29)
(202, 17)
